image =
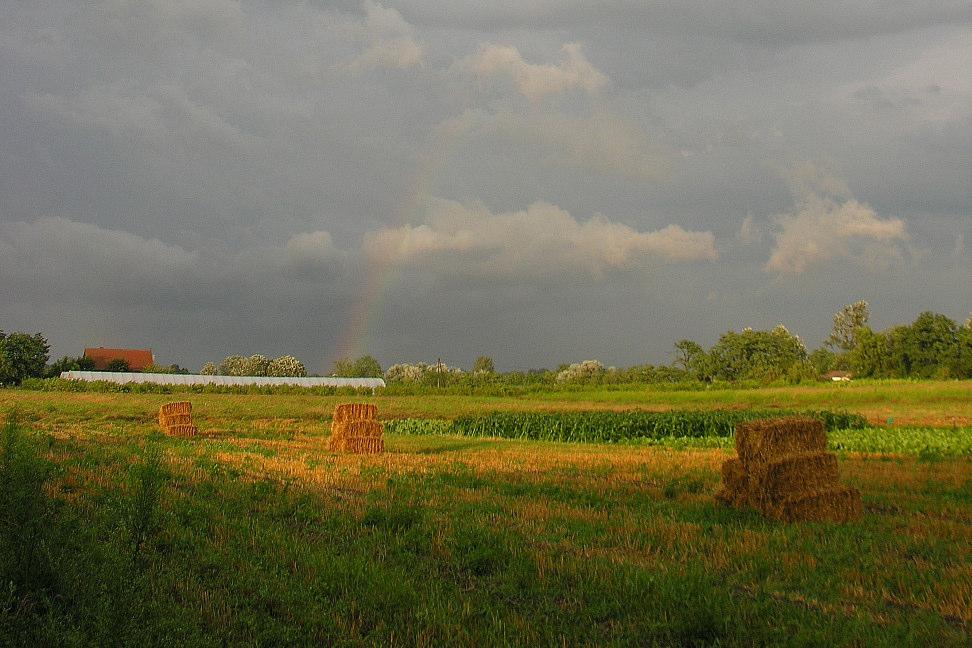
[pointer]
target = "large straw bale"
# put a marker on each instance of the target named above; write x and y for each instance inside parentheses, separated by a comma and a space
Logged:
(355, 412)
(339, 429)
(182, 430)
(175, 419)
(181, 407)
(759, 441)
(364, 429)
(834, 504)
(734, 491)
(362, 445)
(355, 428)
(786, 477)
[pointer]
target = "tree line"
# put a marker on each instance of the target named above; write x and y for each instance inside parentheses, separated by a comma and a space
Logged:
(932, 346)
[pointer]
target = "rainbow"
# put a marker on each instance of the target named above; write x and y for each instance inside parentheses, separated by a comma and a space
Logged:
(380, 273)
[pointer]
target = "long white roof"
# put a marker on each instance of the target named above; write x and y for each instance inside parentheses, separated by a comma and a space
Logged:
(196, 379)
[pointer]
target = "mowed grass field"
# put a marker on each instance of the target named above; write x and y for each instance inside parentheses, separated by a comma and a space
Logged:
(262, 537)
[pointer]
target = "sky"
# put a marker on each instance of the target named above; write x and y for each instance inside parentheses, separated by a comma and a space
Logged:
(539, 181)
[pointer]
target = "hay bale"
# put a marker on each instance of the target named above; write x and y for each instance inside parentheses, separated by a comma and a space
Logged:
(355, 428)
(353, 432)
(339, 429)
(760, 441)
(734, 491)
(175, 419)
(355, 412)
(363, 445)
(364, 429)
(834, 504)
(181, 407)
(786, 477)
(182, 430)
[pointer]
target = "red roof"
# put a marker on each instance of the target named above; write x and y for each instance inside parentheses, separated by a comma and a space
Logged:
(137, 359)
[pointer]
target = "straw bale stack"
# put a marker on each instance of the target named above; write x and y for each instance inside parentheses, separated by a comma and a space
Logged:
(355, 429)
(759, 441)
(784, 472)
(735, 488)
(175, 419)
(347, 412)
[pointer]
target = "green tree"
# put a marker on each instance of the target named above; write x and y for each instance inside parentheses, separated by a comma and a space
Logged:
(484, 365)
(927, 347)
(870, 357)
(761, 355)
(22, 356)
(846, 321)
(364, 367)
(119, 365)
(962, 365)
(822, 360)
(68, 363)
(691, 358)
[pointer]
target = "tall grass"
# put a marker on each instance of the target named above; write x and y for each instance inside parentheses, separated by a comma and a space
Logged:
(71, 576)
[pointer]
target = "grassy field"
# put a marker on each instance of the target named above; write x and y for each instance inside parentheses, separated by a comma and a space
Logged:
(254, 534)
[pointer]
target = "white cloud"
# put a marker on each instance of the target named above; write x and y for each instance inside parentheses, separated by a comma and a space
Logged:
(827, 224)
(541, 242)
(536, 81)
(392, 42)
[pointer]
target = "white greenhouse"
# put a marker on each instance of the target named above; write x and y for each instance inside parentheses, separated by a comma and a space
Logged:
(230, 381)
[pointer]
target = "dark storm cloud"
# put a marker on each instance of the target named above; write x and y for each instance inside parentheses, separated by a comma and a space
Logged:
(539, 181)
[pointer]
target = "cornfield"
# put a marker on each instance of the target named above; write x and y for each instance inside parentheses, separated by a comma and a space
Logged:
(608, 427)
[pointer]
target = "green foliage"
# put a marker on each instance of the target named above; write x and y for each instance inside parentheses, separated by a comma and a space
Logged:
(22, 356)
(24, 510)
(119, 365)
(68, 363)
(691, 358)
(484, 365)
(846, 323)
(932, 346)
(209, 369)
(148, 478)
(921, 442)
(822, 360)
(608, 427)
(758, 355)
(364, 367)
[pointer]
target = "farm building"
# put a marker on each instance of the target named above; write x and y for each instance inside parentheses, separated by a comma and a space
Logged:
(136, 359)
(189, 379)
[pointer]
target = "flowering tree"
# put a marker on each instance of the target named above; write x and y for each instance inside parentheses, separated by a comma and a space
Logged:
(233, 365)
(286, 365)
(256, 365)
(582, 371)
(209, 369)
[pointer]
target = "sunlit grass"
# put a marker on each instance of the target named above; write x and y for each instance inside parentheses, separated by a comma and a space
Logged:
(266, 538)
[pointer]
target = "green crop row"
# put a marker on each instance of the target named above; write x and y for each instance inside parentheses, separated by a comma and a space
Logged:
(608, 427)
